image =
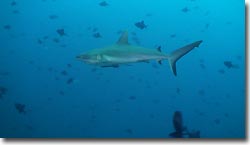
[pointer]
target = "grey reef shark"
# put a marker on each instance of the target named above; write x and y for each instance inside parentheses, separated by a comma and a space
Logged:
(124, 53)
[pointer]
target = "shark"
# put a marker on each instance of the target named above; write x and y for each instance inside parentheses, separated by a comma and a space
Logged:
(122, 52)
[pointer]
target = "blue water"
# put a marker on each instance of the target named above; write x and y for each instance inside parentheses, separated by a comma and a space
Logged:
(46, 92)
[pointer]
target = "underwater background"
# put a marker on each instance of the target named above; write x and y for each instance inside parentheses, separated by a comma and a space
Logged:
(46, 92)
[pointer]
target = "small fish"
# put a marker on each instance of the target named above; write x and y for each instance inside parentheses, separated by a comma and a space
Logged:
(53, 17)
(97, 35)
(21, 108)
(61, 32)
(103, 4)
(202, 66)
(39, 41)
(185, 10)
(201, 113)
(13, 3)
(7, 27)
(132, 98)
(229, 64)
(70, 81)
(129, 131)
(173, 35)
(207, 25)
(141, 25)
(69, 65)
(226, 114)
(64, 72)
(3, 90)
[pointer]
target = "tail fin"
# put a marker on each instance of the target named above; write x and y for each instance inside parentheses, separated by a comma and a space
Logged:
(177, 54)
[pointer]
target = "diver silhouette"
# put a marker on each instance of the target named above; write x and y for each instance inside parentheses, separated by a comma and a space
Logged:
(180, 130)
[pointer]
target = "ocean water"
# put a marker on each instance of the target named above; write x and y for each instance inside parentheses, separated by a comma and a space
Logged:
(46, 92)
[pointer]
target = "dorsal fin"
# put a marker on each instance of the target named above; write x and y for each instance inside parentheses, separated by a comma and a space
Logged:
(123, 40)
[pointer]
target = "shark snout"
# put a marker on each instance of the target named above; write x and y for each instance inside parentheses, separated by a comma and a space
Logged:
(86, 58)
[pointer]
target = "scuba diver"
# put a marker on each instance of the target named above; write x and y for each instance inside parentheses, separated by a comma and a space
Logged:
(180, 130)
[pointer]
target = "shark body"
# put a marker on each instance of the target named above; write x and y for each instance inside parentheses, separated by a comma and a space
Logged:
(124, 53)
